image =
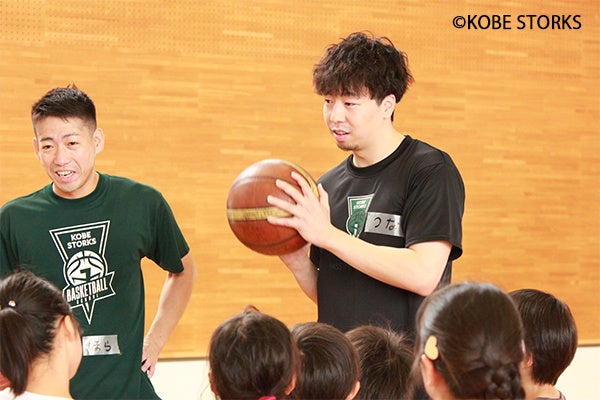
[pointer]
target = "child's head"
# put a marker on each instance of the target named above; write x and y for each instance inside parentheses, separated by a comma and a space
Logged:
(470, 343)
(329, 365)
(386, 358)
(33, 316)
(252, 355)
(550, 334)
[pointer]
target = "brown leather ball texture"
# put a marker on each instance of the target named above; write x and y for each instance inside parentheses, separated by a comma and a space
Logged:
(247, 207)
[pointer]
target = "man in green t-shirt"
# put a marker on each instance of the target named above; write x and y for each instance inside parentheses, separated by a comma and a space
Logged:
(87, 232)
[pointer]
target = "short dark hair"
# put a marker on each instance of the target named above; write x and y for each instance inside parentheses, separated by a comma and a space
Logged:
(360, 63)
(329, 363)
(385, 357)
(252, 355)
(478, 336)
(65, 102)
(550, 333)
(29, 309)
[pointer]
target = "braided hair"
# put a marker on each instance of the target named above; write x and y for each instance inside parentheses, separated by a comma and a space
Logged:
(478, 339)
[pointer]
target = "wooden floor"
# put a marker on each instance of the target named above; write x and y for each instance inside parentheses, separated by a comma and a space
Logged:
(189, 93)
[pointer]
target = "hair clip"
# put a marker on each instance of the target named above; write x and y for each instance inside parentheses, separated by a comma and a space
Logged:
(431, 350)
(12, 303)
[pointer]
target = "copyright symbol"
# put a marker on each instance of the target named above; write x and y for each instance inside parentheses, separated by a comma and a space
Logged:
(458, 22)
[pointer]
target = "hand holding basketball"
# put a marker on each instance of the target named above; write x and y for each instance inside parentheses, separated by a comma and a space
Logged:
(309, 210)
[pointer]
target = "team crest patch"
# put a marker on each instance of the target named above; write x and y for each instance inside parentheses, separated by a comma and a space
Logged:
(85, 269)
(357, 213)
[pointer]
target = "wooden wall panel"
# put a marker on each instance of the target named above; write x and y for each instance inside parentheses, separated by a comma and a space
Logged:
(189, 93)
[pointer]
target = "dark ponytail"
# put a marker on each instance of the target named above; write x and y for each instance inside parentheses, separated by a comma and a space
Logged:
(30, 309)
(475, 339)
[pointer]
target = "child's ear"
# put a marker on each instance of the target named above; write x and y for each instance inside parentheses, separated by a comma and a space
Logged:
(427, 370)
(291, 386)
(70, 328)
(212, 384)
(354, 391)
(432, 380)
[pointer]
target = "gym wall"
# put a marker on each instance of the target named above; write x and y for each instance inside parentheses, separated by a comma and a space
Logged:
(189, 93)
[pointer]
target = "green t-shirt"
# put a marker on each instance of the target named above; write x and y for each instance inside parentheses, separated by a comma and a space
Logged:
(91, 249)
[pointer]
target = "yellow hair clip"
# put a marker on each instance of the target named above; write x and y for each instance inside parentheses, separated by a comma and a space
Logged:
(431, 350)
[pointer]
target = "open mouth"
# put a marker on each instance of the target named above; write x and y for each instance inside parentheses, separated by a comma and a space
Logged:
(338, 132)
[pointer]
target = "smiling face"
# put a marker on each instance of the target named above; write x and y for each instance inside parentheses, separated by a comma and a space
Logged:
(67, 150)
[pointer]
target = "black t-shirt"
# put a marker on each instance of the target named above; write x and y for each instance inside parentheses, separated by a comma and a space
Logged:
(414, 195)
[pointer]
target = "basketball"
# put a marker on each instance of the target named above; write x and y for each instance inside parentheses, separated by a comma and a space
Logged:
(247, 207)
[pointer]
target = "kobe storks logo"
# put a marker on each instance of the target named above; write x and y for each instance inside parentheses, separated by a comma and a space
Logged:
(85, 269)
(357, 213)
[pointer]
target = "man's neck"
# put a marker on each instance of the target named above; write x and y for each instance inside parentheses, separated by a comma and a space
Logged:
(378, 151)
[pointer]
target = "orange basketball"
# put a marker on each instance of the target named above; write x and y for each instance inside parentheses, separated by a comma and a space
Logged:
(247, 207)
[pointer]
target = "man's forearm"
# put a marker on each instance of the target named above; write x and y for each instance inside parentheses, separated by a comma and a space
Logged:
(174, 298)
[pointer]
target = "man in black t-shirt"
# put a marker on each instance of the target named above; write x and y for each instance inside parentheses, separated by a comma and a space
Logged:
(387, 223)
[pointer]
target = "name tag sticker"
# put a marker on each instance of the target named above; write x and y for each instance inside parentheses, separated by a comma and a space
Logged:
(100, 345)
(385, 224)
